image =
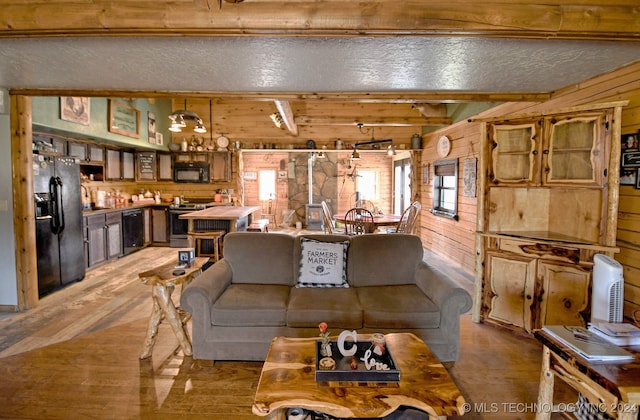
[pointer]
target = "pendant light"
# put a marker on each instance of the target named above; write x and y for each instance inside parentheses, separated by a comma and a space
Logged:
(180, 117)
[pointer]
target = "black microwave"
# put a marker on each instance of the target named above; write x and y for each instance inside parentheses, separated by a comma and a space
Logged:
(195, 172)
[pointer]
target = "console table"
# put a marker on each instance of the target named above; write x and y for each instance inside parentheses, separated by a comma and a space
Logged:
(288, 381)
(612, 387)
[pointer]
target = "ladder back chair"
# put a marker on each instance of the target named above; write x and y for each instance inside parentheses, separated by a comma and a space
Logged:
(358, 221)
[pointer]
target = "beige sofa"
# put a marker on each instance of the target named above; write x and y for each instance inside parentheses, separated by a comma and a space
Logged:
(253, 294)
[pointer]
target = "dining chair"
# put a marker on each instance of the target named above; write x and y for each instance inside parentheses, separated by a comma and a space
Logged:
(408, 220)
(327, 218)
(358, 221)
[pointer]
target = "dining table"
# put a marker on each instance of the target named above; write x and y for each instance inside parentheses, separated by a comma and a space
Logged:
(379, 220)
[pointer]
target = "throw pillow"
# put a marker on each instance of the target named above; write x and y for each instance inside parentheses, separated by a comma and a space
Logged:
(323, 264)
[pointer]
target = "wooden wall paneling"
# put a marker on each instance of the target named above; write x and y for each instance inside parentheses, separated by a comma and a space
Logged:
(23, 193)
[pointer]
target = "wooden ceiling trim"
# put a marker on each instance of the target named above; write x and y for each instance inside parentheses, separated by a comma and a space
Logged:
(515, 19)
(371, 97)
(374, 122)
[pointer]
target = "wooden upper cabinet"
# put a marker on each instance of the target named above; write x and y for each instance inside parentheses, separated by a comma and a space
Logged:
(576, 149)
(562, 150)
(514, 149)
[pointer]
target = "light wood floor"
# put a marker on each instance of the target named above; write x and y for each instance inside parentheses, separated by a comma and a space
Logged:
(76, 356)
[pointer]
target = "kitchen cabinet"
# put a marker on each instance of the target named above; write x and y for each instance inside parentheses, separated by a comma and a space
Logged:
(120, 165)
(220, 166)
(547, 204)
(95, 154)
(146, 223)
(165, 172)
(192, 157)
(104, 237)
(160, 226)
(78, 150)
(146, 166)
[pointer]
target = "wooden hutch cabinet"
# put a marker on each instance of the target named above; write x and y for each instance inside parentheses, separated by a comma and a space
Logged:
(548, 203)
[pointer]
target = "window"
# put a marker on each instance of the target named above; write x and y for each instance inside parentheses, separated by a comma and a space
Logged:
(368, 184)
(445, 188)
(267, 184)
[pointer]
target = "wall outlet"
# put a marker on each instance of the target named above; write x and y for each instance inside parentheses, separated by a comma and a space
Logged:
(4, 205)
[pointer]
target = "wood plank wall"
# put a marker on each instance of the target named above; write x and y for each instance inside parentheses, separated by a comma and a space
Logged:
(456, 240)
(344, 196)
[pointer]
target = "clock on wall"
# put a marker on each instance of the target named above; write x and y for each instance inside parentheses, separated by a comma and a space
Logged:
(444, 146)
(222, 143)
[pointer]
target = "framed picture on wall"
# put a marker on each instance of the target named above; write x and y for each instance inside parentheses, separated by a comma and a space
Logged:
(124, 119)
(151, 123)
(75, 109)
(628, 176)
(638, 179)
(630, 142)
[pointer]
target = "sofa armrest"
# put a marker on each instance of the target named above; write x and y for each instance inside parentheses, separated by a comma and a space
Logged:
(452, 300)
(199, 295)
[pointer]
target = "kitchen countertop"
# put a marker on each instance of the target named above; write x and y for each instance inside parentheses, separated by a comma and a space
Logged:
(226, 212)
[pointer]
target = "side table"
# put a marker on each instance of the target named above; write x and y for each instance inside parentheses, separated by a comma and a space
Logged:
(163, 282)
(612, 387)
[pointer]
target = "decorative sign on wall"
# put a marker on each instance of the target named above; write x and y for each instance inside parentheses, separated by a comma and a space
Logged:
(124, 119)
(469, 174)
(151, 119)
(74, 109)
(630, 160)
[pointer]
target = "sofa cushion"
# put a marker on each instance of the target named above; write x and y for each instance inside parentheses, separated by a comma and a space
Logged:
(377, 260)
(339, 308)
(261, 258)
(254, 305)
(402, 306)
(323, 264)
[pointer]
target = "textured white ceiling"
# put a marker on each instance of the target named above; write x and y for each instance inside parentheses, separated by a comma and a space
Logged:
(299, 64)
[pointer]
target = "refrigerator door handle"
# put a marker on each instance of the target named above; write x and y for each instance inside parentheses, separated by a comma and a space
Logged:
(60, 204)
(57, 213)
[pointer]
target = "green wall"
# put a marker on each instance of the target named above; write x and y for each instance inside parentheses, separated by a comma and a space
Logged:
(46, 117)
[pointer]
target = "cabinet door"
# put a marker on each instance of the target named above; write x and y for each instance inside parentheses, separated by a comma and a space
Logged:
(128, 172)
(514, 153)
(220, 167)
(146, 166)
(146, 223)
(164, 167)
(565, 293)
(114, 235)
(96, 154)
(160, 225)
(113, 165)
(509, 290)
(78, 150)
(576, 150)
(97, 239)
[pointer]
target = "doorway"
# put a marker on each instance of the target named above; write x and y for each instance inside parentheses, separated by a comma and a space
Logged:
(401, 185)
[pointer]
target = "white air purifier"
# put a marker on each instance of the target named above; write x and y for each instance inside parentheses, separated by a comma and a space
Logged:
(607, 292)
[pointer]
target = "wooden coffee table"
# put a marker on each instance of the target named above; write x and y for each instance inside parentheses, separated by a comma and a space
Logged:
(288, 381)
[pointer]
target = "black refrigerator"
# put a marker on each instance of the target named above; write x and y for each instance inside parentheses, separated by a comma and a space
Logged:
(58, 206)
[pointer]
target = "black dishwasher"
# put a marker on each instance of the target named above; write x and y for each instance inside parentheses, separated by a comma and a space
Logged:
(132, 230)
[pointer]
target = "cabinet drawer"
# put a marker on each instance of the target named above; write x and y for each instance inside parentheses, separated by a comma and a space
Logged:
(534, 249)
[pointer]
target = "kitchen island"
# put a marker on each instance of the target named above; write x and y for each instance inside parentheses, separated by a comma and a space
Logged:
(226, 218)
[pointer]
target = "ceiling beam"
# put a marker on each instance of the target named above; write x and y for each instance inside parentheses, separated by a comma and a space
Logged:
(287, 116)
(374, 122)
(369, 97)
(559, 19)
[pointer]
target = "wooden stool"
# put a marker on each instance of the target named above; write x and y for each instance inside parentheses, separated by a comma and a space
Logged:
(196, 239)
(260, 225)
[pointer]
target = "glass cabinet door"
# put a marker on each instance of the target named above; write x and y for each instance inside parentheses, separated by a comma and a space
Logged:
(513, 155)
(573, 152)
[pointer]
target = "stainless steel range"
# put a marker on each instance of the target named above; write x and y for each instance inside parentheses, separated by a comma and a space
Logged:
(178, 228)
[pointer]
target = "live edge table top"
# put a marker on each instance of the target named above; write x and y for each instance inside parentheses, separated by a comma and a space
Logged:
(288, 380)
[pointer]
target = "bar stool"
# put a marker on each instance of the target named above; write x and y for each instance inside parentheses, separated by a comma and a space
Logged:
(196, 239)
